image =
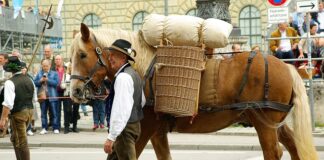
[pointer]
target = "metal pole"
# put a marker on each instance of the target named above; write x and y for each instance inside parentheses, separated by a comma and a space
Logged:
(1, 34)
(5, 45)
(12, 42)
(310, 67)
(285, 38)
(268, 42)
(301, 59)
(166, 10)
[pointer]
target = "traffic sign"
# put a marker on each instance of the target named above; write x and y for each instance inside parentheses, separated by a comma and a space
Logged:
(307, 6)
(277, 3)
(278, 15)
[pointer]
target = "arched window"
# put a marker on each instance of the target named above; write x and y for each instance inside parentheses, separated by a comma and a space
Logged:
(250, 24)
(92, 20)
(138, 20)
(192, 12)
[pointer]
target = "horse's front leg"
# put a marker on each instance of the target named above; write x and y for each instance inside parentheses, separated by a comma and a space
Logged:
(149, 125)
(160, 142)
(286, 138)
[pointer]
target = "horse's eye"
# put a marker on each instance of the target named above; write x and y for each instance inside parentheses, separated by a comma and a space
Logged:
(83, 55)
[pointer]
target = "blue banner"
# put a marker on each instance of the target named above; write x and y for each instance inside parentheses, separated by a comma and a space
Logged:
(17, 4)
(36, 7)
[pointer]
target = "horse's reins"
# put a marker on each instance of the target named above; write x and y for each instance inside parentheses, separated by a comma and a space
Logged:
(100, 63)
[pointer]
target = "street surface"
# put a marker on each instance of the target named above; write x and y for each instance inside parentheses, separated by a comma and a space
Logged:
(148, 154)
(233, 143)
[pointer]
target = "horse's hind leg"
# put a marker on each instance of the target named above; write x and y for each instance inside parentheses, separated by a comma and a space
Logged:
(160, 143)
(286, 138)
(269, 142)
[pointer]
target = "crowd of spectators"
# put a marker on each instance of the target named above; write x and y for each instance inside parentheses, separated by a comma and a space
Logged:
(53, 78)
(286, 48)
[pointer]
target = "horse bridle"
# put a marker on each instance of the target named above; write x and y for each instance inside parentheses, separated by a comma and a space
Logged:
(88, 79)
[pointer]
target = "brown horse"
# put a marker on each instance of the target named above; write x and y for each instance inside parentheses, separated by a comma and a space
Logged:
(90, 65)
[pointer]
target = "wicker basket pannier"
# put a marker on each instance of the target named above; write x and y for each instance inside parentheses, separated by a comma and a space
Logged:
(177, 80)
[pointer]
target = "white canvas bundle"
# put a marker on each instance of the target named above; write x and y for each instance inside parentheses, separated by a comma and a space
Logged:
(183, 30)
(215, 33)
(152, 29)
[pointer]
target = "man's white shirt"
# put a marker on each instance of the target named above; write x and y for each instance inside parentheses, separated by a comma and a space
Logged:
(285, 43)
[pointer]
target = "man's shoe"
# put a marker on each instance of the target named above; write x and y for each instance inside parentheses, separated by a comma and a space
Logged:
(66, 130)
(56, 131)
(44, 131)
(75, 130)
(30, 133)
(102, 126)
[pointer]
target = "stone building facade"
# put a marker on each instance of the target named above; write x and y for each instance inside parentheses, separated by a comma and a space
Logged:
(121, 14)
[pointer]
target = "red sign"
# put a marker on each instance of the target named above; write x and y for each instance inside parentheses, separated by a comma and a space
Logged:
(277, 2)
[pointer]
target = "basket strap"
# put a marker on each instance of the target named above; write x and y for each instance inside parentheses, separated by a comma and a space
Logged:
(158, 66)
(149, 76)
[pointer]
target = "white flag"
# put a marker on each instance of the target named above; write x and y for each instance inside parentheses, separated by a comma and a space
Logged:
(59, 8)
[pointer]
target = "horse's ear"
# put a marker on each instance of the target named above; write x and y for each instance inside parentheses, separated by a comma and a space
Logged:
(85, 32)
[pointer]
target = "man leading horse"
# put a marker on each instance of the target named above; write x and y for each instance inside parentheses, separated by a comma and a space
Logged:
(124, 104)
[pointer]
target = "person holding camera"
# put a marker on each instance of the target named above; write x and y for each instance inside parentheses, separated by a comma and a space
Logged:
(46, 81)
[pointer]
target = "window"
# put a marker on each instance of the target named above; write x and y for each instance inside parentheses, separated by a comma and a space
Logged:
(192, 12)
(250, 25)
(92, 20)
(138, 20)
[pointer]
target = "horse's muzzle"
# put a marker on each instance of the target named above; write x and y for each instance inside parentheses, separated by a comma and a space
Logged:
(78, 95)
(82, 95)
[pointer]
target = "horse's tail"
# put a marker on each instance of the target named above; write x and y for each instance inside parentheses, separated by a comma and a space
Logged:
(302, 119)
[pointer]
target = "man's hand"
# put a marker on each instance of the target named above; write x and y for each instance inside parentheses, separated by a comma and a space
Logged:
(295, 46)
(43, 79)
(2, 123)
(108, 146)
(4, 116)
(301, 55)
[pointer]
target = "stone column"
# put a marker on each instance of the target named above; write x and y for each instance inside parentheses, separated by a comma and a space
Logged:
(219, 9)
(214, 9)
(205, 9)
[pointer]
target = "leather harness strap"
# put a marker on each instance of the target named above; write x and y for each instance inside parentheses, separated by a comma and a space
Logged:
(245, 75)
(250, 105)
(266, 79)
(246, 105)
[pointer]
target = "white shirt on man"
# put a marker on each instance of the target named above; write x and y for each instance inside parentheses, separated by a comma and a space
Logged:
(122, 103)
(284, 43)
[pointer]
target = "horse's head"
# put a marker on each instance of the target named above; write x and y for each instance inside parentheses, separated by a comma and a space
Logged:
(90, 65)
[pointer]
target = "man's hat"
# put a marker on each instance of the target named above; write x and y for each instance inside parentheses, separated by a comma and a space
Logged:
(124, 47)
(13, 64)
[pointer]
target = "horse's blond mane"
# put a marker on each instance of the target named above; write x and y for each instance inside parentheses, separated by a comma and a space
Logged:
(105, 37)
